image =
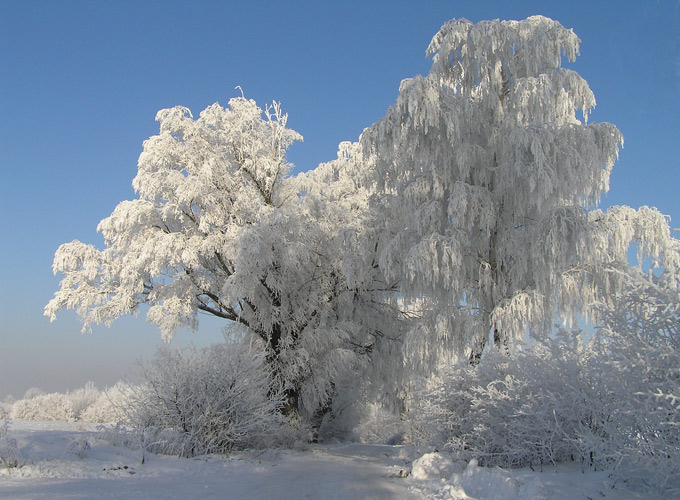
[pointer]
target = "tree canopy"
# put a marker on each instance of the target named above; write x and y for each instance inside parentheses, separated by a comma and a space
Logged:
(220, 227)
(493, 170)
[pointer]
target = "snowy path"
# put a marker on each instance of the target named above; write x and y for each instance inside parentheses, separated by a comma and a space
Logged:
(294, 478)
(330, 472)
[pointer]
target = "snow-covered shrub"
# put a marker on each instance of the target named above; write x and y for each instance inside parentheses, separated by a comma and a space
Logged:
(613, 402)
(87, 404)
(109, 406)
(293, 432)
(50, 407)
(6, 407)
(120, 435)
(81, 399)
(512, 411)
(638, 356)
(195, 401)
(379, 425)
(10, 456)
(80, 447)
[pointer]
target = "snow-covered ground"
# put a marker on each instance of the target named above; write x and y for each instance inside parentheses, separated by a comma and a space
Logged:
(72, 461)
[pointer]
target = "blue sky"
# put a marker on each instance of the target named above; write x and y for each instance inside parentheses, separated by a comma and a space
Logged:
(81, 82)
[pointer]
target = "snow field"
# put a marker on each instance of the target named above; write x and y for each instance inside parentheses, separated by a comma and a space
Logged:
(58, 465)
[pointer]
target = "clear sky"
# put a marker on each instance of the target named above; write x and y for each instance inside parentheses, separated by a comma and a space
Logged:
(81, 82)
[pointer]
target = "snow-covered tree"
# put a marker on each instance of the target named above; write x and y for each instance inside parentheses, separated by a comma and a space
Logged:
(201, 184)
(492, 169)
(220, 227)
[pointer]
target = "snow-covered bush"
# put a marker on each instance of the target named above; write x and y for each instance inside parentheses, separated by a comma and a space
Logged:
(81, 399)
(513, 411)
(10, 456)
(613, 402)
(195, 401)
(109, 405)
(80, 447)
(50, 407)
(379, 425)
(293, 432)
(87, 404)
(6, 407)
(638, 368)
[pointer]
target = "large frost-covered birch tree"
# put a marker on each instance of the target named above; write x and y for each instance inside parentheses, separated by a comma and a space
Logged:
(220, 227)
(491, 167)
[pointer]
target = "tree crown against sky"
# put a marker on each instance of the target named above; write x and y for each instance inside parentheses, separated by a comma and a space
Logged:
(220, 227)
(493, 171)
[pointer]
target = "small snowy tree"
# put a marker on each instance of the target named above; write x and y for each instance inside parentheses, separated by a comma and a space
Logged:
(493, 171)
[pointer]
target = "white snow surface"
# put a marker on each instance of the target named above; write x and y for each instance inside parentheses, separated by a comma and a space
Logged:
(58, 465)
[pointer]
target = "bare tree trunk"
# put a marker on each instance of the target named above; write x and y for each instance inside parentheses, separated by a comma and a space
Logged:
(476, 353)
(500, 341)
(292, 393)
(292, 403)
